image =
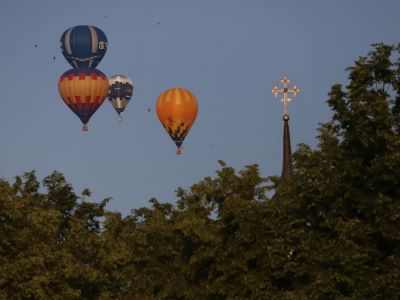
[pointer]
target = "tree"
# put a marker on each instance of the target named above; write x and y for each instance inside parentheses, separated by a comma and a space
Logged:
(50, 244)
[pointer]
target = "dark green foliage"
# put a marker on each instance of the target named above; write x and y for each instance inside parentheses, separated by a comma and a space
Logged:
(47, 250)
(336, 237)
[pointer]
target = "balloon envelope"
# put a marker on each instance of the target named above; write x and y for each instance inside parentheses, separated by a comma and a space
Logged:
(83, 90)
(177, 110)
(120, 92)
(83, 46)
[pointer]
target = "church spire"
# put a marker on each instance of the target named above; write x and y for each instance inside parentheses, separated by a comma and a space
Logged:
(287, 150)
(287, 169)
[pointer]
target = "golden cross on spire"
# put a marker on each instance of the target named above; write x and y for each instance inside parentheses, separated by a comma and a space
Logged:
(285, 90)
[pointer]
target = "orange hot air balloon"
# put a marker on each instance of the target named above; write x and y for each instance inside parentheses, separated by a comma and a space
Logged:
(83, 90)
(177, 110)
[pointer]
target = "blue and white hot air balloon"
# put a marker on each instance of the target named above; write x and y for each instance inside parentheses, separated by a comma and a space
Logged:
(83, 46)
(120, 92)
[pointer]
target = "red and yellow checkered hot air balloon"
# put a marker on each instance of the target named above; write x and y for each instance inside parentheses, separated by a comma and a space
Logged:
(177, 110)
(83, 90)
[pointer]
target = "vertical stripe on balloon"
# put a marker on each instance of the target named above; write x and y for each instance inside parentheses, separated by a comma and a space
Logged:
(95, 41)
(67, 42)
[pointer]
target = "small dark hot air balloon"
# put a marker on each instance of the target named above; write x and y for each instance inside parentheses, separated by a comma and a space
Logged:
(177, 110)
(83, 90)
(120, 92)
(83, 46)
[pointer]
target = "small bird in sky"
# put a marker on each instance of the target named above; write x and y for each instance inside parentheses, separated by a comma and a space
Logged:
(105, 16)
(158, 23)
(35, 45)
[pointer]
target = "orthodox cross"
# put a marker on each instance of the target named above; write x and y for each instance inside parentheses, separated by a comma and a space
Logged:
(285, 90)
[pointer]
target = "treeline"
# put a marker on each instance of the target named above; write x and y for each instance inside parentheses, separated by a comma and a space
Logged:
(336, 236)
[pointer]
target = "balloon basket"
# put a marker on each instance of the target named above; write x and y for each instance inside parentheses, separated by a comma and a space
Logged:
(178, 151)
(85, 128)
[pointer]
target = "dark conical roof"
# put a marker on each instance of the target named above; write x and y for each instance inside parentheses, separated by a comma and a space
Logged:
(287, 170)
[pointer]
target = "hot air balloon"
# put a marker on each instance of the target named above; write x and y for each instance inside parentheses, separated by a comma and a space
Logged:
(177, 110)
(120, 92)
(83, 90)
(83, 46)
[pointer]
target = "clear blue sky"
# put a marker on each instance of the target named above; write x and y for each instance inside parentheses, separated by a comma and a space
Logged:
(229, 53)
